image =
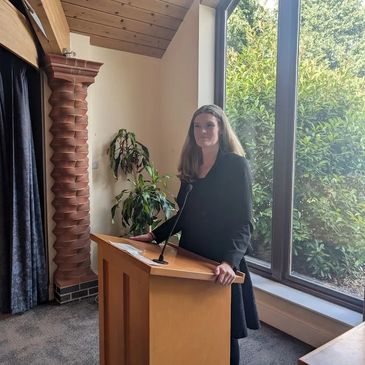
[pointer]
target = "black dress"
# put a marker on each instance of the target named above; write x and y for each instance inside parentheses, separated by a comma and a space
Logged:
(217, 223)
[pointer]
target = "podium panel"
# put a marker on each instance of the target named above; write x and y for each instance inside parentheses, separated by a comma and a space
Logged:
(123, 311)
(189, 322)
(160, 314)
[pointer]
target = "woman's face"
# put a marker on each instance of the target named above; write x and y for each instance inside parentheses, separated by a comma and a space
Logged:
(206, 130)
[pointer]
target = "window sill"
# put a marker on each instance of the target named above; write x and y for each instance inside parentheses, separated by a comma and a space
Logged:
(308, 318)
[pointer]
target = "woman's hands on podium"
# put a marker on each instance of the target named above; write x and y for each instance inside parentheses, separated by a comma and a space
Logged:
(147, 237)
(224, 271)
(225, 274)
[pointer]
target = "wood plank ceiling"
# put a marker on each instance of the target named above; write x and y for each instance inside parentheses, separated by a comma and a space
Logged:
(138, 26)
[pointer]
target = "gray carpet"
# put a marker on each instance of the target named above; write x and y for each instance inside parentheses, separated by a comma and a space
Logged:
(269, 346)
(51, 334)
(68, 334)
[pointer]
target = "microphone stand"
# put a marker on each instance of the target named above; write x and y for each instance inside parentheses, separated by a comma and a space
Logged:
(161, 260)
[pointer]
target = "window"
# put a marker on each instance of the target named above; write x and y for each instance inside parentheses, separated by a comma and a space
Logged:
(297, 103)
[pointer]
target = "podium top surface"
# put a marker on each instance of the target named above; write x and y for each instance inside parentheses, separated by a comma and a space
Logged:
(181, 263)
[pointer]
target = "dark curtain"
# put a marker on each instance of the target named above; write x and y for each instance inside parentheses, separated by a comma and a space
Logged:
(23, 272)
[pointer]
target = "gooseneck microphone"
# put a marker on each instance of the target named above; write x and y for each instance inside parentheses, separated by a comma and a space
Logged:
(161, 260)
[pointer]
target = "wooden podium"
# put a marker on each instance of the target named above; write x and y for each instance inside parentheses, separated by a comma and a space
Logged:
(171, 314)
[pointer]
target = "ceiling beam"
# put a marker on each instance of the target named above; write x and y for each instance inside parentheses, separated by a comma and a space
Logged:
(16, 33)
(55, 35)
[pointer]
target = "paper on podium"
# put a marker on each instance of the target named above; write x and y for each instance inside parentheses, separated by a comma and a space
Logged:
(134, 252)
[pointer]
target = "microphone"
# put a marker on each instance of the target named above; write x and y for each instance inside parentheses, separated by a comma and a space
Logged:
(161, 260)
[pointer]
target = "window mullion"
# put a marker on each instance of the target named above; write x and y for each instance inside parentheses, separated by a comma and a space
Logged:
(284, 148)
(223, 11)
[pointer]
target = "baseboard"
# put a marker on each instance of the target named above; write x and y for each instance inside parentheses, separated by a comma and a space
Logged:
(310, 319)
(301, 323)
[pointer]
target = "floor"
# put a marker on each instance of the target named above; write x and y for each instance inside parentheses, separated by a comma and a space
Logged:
(68, 334)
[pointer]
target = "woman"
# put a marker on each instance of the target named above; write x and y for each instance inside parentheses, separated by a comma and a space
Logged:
(217, 219)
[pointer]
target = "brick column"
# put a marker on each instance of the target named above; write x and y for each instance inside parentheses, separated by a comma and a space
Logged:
(69, 79)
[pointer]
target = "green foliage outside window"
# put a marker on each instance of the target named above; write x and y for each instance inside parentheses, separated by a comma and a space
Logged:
(329, 200)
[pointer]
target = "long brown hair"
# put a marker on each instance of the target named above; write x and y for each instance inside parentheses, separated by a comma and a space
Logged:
(191, 156)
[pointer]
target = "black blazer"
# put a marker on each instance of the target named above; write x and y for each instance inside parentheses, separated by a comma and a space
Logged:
(217, 223)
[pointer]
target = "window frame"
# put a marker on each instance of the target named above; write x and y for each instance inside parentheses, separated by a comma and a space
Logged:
(284, 146)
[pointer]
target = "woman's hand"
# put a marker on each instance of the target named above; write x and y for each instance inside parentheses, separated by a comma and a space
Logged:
(225, 274)
(147, 237)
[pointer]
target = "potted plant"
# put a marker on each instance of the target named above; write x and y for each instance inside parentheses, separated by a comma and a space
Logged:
(145, 204)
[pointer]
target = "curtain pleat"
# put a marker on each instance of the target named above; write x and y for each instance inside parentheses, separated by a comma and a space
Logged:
(24, 281)
(4, 212)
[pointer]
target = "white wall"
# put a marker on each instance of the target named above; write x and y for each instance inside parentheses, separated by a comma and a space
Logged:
(125, 95)
(179, 89)
(154, 98)
(206, 55)
(187, 81)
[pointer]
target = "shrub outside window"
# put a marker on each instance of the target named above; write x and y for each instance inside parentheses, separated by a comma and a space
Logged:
(296, 100)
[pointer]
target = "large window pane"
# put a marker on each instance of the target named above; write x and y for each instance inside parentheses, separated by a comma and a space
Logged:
(329, 196)
(250, 103)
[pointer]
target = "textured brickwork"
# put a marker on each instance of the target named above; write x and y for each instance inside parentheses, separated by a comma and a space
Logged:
(75, 292)
(69, 79)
